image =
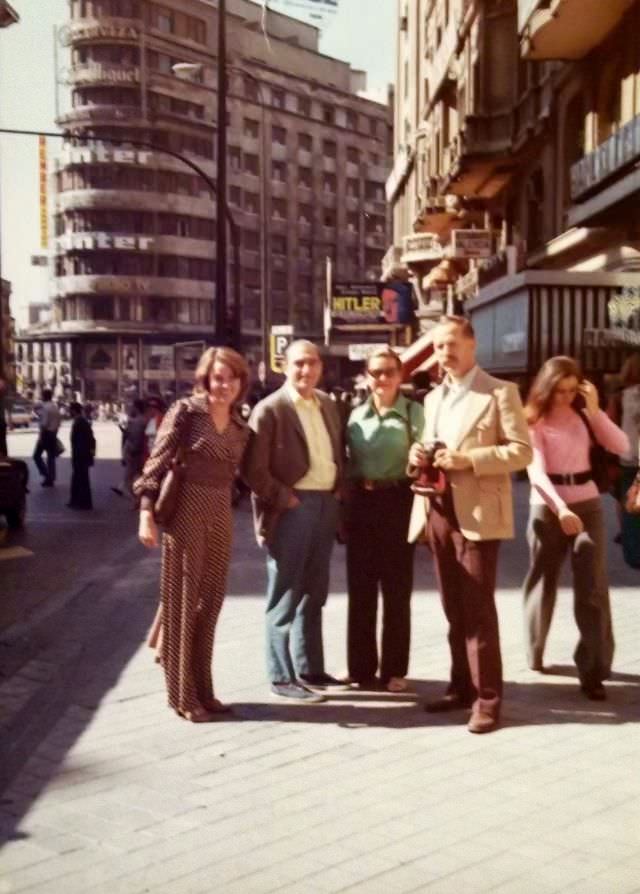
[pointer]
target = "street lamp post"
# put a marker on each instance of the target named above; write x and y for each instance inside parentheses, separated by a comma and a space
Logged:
(221, 180)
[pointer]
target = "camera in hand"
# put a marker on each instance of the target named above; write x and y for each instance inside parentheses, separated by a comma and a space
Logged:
(431, 481)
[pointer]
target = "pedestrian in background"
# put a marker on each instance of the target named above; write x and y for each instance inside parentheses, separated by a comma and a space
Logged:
(293, 466)
(378, 507)
(481, 422)
(196, 544)
(566, 516)
(624, 410)
(3, 418)
(133, 446)
(47, 439)
(155, 414)
(83, 450)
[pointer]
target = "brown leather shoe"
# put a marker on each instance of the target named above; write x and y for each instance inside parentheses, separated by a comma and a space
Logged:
(449, 702)
(481, 722)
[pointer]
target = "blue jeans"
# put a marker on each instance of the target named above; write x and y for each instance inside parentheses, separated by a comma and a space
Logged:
(298, 586)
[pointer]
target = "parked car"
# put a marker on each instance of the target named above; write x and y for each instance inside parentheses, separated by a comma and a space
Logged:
(14, 478)
(20, 414)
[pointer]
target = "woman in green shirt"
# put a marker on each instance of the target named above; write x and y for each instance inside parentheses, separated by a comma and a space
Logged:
(379, 434)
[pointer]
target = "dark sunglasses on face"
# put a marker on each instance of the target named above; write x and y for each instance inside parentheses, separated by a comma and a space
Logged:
(387, 371)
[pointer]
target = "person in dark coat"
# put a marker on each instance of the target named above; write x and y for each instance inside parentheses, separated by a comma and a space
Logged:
(83, 448)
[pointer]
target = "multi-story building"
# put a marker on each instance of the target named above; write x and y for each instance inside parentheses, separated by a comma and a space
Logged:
(8, 16)
(135, 227)
(520, 119)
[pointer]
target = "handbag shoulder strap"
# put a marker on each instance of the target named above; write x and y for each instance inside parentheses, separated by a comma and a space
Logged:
(587, 425)
(183, 431)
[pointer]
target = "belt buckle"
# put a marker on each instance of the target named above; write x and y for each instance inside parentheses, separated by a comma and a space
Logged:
(367, 484)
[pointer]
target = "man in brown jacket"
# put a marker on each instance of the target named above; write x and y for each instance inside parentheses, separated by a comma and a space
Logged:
(293, 465)
(481, 422)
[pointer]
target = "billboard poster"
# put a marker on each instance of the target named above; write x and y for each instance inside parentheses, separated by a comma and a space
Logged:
(371, 303)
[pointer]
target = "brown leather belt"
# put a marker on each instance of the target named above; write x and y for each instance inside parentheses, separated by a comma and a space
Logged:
(571, 477)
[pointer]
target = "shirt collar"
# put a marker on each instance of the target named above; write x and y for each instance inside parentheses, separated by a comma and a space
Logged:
(298, 400)
(399, 407)
(463, 385)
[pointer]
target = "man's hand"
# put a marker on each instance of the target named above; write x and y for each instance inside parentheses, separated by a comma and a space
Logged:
(417, 455)
(147, 529)
(570, 523)
(452, 459)
(292, 502)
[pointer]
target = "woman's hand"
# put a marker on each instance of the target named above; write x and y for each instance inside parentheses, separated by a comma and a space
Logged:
(590, 394)
(147, 529)
(570, 523)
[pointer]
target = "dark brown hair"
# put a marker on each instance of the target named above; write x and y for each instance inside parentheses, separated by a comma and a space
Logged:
(384, 351)
(236, 363)
(461, 322)
(551, 373)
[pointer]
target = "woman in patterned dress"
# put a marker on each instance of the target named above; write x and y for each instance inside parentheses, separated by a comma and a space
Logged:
(196, 544)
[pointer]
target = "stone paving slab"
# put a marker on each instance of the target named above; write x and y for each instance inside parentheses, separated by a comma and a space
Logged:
(107, 791)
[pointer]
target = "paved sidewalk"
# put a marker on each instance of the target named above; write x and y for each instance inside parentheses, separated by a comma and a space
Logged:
(107, 791)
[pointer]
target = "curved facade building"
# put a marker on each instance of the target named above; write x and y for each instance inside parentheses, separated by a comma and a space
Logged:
(134, 230)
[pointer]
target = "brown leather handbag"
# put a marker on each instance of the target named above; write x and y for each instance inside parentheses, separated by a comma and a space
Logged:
(167, 501)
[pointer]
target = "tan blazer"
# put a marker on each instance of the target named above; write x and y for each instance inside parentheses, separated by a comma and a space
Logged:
(494, 436)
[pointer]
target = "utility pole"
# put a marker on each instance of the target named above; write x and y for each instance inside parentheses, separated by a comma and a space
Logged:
(221, 161)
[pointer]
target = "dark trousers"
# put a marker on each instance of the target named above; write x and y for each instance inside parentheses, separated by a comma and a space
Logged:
(548, 548)
(466, 572)
(3, 438)
(80, 497)
(46, 444)
(378, 555)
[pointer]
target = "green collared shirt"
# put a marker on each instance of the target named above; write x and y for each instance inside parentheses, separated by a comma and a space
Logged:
(379, 443)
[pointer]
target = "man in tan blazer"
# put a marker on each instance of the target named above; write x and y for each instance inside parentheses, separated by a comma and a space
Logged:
(481, 422)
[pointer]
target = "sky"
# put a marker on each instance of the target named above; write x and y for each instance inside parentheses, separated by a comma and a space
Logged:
(354, 33)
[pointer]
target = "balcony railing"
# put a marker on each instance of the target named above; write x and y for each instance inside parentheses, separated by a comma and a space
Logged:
(613, 155)
(566, 29)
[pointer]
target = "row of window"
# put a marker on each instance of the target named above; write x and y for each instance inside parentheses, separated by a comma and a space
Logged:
(163, 18)
(120, 177)
(139, 310)
(126, 264)
(135, 222)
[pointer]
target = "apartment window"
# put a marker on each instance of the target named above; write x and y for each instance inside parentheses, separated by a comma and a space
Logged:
(278, 244)
(305, 178)
(235, 196)
(278, 171)
(329, 218)
(235, 159)
(305, 141)
(251, 240)
(304, 251)
(251, 128)
(328, 114)
(374, 192)
(305, 214)
(279, 135)
(353, 155)
(277, 98)
(374, 158)
(251, 204)
(329, 183)
(352, 223)
(353, 188)
(251, 89)
(279, 280)
(305, 285)
(251, 164)
(164, 20)
(304, 106)
(279, 209)
(329, 149)
(352, 119)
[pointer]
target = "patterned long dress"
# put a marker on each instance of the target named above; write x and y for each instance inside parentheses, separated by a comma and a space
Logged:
(196, 545)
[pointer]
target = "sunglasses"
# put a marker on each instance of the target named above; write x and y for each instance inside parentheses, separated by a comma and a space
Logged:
(387, 371)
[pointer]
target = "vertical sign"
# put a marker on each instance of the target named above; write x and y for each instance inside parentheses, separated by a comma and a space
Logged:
(281, 338)
(44, 219)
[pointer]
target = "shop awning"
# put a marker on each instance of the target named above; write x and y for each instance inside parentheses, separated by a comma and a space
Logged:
(418, 356)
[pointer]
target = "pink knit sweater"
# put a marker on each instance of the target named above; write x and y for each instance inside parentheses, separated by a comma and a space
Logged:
(561, 445)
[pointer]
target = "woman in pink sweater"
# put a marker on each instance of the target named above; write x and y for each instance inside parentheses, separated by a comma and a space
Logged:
(566, 515)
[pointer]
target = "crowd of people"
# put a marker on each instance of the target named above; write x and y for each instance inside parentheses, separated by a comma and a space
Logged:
(317, 473)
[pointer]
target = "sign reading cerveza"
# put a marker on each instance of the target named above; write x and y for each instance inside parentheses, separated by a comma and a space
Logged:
(371, 303)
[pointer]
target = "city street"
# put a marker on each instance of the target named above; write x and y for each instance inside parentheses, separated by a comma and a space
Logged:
(103, 789)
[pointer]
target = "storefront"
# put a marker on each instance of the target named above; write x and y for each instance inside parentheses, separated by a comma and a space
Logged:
(522, 320)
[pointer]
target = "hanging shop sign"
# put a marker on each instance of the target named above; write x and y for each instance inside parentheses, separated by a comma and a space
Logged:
(471, 244)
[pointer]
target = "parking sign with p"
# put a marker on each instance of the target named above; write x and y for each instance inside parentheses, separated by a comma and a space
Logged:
(281, 338)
